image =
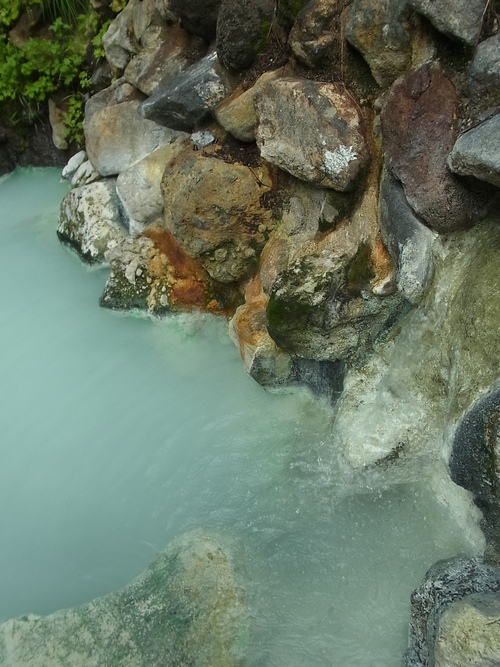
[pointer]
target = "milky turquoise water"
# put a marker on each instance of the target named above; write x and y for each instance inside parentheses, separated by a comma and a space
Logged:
(118, 434)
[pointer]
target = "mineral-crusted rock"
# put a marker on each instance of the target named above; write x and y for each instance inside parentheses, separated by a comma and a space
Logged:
(139, 187)
(322, 308)
(165, 53)
(215, 211)
(119, 40)
(315, 31)
(119, 91)
(242, 30)
(236, 113)
(418, 125)
(90, 220)
(312, 130)
(469, 633)
(152, 274)
(484, 73)
(199, 18)
(461, 19)
(186, 608)
(84, 175)
(407, 239)
(445, 583)
(187, 99)
(72, 165)
(477, 152)
(381, 32)
(475, 461)
(117, 137)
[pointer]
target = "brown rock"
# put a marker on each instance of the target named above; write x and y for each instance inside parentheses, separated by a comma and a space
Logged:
(419, 132)
(215, 211)
(315, 31)
(315, 131)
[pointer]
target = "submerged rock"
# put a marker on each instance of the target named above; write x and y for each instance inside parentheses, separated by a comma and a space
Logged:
(445, 583)
(90, 220)
(188, 98)
(461, 19)
(185, 609)
(477, 152)
(117, 137)
(419, 131)
(314, 131)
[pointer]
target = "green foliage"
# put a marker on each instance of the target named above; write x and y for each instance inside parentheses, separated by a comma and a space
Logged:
(9, 12)
(97, 40)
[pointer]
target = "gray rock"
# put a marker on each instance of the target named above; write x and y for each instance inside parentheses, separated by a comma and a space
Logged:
(188, 98)
(484, 73)
(315, 31)
(72, 165)
(90, 220)
(185, 609)
(475, 461)
(202, 139)
(242, 30)
(312, 130)
(461, 19)
(119, 91)
(145, 15)
(117, 137)
(477, 152)
(409, 242)
(57, 119)
(139, 187)
(382, 33)
(84, 175)
(165, 52)
(445, 583)
(197, 17)
(119, 40)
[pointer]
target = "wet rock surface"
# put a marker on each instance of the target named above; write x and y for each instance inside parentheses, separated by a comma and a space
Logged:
(418, 126)
(185, 609)
(313, 131)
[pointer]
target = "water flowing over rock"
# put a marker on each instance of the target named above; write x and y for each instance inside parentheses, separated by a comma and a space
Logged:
(316, 30)
(242, 30)
(139, 187)
(187, 99)
(216, 211)
(418, 126)
(382, 33)
(198, 18)
(408, 240)
(461, 19)
(314, 131)
(484, 73)
(90, 220)
(445, 583)
(117, 137)
(186, 608)
(477, 152)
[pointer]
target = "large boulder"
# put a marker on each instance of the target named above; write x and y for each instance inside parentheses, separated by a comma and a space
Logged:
(197, 17)
(484, 72)
(419, 131)
(408, 240)
(477, 152)
(446, 583)
(316, 30)
(312, 130)
(185, 609)
(242, 30)
(460, 19)
(139, 190)
(217, 211)
(90, 220)
(165, 52)
(381, 31)
(184, 101)
(117, 137)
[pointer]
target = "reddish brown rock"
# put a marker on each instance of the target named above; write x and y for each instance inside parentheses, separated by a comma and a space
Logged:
(419, 132)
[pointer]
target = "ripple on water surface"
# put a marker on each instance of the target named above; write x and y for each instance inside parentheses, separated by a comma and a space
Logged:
(118, 434)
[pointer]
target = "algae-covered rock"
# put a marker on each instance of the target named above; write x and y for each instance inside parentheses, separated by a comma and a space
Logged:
(90, 220)
(185, 609)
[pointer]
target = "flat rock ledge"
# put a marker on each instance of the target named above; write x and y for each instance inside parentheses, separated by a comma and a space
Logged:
(185, 609)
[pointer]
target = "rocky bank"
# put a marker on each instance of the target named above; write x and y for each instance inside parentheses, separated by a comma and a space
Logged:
(325, 175)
